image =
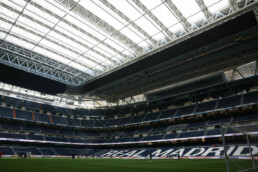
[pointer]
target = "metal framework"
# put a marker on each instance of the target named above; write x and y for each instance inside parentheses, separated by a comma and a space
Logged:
(178, 14)
(76, 28)
(26, 60)
(169, 34)
(89, 16)
(113, 8)
(93, 45)
(205, 10)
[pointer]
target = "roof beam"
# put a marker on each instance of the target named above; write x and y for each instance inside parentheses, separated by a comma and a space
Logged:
(39, 35)
(205, 10)
(233, 5)
(168, 33)
(127, 19)
(178, 15)
(76, 28)
(21, 58)
(31, 42)
(55, 30)
(67, 68)
(95, 20)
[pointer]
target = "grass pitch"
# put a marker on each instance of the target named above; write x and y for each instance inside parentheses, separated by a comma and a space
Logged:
(112, 165)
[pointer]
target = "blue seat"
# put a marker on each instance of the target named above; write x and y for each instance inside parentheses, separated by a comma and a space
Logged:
(204, 107)
(229, 102)
(6, 112)
(213, 132)
(155, 137)
(35, 137)
(251, 97)
(42, 117)
(31, 105)
(152, 116)
(171, 136)
(186, 110)
(167, 113)
(191, 134)
(58, 120)
(48, 108)
(137, 119)
(23, 115)
(13, 101)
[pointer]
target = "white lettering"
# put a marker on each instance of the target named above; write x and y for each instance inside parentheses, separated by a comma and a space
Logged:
(160, 153)
(179, 151)
(190, 153)
(216, 150)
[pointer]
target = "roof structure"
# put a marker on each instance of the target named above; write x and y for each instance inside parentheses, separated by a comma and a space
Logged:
(75, 41)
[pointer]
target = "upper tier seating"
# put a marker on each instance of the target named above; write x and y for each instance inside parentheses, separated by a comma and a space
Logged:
(248, 117)
(13, 101)
(23, 115)
(35, 137)
(251, 97)
(73, 122)
(213, 132)
(167, 113)
(197, 124)
(204, 107)
(138, 119)
(31, 105)
(192, 134)
(152, 116)
(6, 112)
(185, 110)
(220, 120)
(229, 102)
(63, 111)
(12, 135)
(42, 117)
(58, 120)
(155, 137)
(48, 108)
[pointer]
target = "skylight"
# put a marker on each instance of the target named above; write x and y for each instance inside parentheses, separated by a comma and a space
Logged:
(102, 34)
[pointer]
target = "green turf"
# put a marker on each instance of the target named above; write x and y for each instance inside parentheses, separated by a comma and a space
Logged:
(112, 165)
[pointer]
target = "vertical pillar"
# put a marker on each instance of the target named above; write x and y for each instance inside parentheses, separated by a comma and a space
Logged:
(50, 119)
(33, 116)
(14, 114)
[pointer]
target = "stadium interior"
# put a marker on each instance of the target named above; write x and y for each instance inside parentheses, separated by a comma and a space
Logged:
(132, 79)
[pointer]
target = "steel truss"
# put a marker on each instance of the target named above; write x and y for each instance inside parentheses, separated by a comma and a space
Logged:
(79, 77)
(21, 58)
(54, 30)
(76, 28)
(178, 15)
(205, 10)
(89, 16)
(169, 34)
(127, 19)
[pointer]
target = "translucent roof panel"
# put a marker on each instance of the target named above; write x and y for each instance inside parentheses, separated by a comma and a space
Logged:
(89, 5)
(216, 5)
(163, 14)
(130, 11)
(189, 9)
(101, 35)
